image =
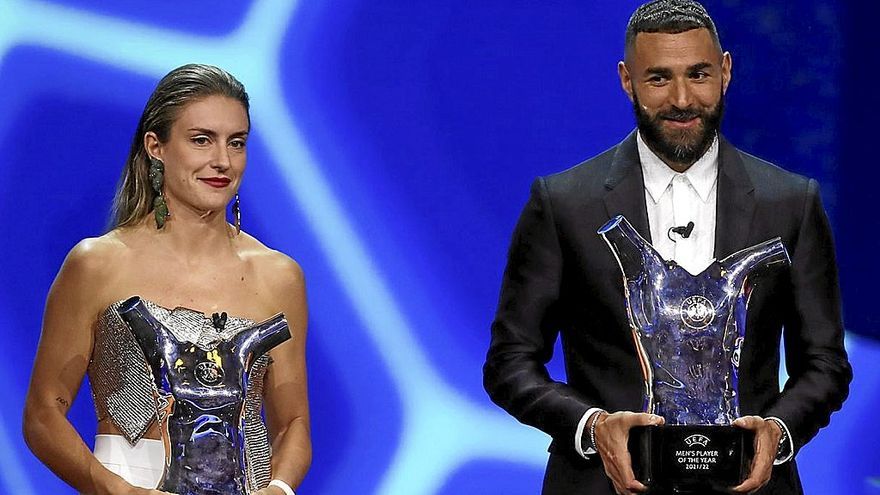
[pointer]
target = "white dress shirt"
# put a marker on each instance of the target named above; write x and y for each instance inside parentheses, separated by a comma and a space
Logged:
(674, 199)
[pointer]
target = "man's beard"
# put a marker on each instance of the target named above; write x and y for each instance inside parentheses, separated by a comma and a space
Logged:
(684, 146)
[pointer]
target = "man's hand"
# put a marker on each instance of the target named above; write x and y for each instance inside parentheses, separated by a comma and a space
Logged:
(767, 435)
(612, 435)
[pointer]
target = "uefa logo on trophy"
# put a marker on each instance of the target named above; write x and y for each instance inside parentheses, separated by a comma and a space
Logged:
(689, 331)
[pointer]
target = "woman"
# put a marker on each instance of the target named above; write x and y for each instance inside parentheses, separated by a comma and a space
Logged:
(172, 245)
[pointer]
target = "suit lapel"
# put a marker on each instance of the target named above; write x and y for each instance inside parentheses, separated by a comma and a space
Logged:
(735, 203)
(625, 187)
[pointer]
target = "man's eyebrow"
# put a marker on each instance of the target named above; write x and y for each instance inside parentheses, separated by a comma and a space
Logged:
(659, 71)
(667, 72)
(699, 66)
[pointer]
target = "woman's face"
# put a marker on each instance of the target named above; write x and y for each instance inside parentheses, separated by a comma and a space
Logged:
(204, 155)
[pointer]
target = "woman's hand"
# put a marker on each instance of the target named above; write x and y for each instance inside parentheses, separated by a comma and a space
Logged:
(134, 490)
(145, 491)
(271, 490)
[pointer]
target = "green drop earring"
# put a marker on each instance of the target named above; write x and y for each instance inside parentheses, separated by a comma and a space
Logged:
(157, 179)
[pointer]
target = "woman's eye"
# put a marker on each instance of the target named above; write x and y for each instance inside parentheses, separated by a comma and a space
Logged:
(200, 140)
(238, 143)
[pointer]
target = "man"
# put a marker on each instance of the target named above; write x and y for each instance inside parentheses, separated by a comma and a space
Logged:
(674, 170)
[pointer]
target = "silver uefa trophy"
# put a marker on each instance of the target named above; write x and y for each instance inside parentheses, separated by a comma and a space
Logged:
(689, 331)
(201, 395)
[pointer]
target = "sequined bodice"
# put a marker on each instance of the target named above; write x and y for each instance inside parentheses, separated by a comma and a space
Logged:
(123, 389)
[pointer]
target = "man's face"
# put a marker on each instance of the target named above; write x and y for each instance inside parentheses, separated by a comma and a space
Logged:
(677, 84)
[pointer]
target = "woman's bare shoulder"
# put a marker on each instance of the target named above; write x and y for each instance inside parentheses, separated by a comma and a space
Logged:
(88, 274)
(273, 266)
(95, 253)
(283, 282)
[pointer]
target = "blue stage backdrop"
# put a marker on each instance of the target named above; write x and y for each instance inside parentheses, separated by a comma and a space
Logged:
(393, 146)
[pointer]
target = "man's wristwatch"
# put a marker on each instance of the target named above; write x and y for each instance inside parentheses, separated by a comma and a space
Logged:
(783, 447)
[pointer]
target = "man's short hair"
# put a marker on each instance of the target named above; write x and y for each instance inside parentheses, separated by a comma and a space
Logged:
(670, 17)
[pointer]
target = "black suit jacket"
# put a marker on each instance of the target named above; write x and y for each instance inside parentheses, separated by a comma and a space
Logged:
(561, 279)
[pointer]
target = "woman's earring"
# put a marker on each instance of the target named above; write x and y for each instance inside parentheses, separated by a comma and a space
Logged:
(236, 211)
(157, 180)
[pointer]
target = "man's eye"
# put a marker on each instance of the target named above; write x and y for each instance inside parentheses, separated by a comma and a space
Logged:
(699, 75)
(657, 80)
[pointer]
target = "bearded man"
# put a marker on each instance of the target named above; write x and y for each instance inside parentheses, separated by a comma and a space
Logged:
(674, 170)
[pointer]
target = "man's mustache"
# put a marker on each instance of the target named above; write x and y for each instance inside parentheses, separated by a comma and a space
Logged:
(678, 115)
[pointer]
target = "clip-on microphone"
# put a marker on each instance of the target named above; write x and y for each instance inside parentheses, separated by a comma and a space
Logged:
(683, 231)
(219, 321)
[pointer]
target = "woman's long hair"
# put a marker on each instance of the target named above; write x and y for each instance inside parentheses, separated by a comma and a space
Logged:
(183, 85)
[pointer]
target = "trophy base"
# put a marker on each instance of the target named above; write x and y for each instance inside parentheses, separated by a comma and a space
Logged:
(690, 459)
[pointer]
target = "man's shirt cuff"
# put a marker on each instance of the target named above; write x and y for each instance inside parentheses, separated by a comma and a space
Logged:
(579, 433)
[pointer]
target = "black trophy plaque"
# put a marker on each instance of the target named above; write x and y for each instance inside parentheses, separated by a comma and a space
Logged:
(690, 458)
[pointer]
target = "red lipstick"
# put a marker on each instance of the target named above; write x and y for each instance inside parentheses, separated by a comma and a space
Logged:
(217, 182)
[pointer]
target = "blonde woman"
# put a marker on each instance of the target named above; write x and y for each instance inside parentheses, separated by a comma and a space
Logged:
(173, 246)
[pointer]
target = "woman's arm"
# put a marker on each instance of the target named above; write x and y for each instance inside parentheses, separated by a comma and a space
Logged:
(63, 353)
(286, 401)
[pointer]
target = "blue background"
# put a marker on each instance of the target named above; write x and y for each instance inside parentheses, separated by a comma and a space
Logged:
(393, 146)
